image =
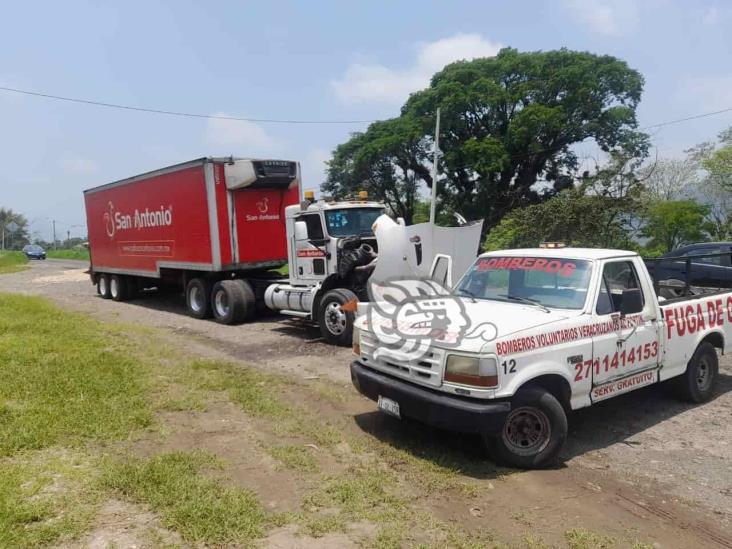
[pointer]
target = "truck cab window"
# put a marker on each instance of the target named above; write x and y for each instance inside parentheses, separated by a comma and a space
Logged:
(315, 226)
(616, 277)
(715, 260)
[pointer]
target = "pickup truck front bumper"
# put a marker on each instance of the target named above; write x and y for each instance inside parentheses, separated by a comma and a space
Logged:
(452, 413)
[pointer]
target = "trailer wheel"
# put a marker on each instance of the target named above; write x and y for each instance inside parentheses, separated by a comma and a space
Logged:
(336, 325)
(533, 433)
(118, 288)
(198, 298)
(232, 301)
(103, 286)
(697, 383)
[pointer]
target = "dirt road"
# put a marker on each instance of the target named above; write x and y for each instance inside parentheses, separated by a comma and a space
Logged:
(641, 466)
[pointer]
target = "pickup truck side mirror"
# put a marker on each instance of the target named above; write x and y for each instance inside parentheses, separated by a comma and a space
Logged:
(632, 302)
(301, 230)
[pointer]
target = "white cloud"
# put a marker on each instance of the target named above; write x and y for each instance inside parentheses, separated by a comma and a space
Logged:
(707, 93)
(224, 137)
(375, 83)
(77, 165)
(609, 17)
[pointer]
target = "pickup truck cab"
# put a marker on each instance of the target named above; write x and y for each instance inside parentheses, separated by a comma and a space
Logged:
(569, 327)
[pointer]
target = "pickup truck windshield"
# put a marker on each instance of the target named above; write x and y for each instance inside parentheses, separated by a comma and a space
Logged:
(351, 221)
(551, 282)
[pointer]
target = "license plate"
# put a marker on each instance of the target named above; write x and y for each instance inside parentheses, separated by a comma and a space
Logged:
(388, 406)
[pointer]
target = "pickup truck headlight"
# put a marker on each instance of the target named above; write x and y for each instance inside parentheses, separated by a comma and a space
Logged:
(470, 370)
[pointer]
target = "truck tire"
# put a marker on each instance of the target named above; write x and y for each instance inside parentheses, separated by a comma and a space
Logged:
(118, 288)
(232, 301)
(336, 325)
(250, 299)
(198, 298)
(533, 433)
(103, 286)
(697, 383)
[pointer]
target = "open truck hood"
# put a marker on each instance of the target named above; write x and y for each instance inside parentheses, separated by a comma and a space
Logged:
(408, 251)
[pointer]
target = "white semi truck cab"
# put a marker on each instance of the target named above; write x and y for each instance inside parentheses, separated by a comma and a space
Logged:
(332, 251)
(528, 335)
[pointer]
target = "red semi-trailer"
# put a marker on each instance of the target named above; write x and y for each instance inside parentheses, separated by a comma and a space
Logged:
(212, 226)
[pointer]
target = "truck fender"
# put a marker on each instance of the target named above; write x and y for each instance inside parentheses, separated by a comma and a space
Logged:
(542, 373)
(715, 336)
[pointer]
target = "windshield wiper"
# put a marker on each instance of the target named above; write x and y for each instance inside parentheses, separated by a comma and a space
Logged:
(468, 293)
(527, 301)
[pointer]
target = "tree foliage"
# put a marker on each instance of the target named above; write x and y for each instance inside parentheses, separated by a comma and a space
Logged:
(18, 239)
(507, 130)
(673, 223)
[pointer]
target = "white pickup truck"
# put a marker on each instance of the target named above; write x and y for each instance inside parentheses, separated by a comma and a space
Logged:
(560, 329)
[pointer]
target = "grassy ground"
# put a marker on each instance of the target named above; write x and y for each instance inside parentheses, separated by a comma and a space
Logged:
(68, 254)
(12, 262)
(89, 416)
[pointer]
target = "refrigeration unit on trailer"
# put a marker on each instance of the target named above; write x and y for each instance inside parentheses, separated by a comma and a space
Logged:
(214, 227)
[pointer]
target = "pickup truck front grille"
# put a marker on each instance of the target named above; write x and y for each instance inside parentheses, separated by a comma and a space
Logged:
(426, 370)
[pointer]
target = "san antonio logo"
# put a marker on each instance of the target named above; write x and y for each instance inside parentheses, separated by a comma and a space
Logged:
(108, 218)
(408, 316)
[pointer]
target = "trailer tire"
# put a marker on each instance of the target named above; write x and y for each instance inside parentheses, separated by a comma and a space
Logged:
(230, 301)
(336, 325)
(533, 433)
(118, 288)
(198, 298)
(103, 286)
(697, 383)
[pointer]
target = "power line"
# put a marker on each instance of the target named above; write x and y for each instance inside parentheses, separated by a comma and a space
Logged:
(281, 121)
(679, 120)
(178, 113)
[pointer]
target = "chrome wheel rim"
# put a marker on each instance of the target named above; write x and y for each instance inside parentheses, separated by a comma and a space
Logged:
(221, 303)
(527, 431)
(114, 287)
(335, 318)
(703, 374)
(102, 285)
(195, 297)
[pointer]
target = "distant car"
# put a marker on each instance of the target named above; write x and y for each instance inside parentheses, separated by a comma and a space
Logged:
(34, 251)
(710, 266)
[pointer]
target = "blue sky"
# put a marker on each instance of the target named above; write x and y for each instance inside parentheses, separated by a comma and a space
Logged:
(299, 60)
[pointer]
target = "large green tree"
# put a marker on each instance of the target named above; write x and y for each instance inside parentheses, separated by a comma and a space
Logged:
(508, 126)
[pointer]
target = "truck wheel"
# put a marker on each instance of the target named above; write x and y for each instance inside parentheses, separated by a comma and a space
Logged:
(118, 288)
(697, 383)
(103, 286)
(198, 298)
(250, 298)
(336, 325)
(232, 301)
(533, 433)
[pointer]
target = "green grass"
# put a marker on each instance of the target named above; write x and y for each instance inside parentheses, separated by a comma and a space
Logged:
(12, 262)
(68, 254)
(198, 506)
(294, 457)
(63, 379)
(581, 538)
(44, 497)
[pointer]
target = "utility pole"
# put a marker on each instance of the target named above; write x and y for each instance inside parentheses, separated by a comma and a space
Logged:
(435, 159)
(54, 234)
(68, 237)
